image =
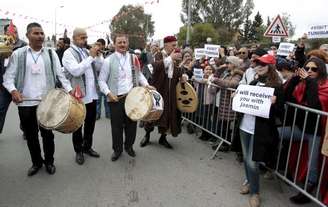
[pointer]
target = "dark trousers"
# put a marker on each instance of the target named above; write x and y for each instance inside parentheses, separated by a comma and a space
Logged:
(119, 122)
(30, 126)
(5, 99)
(84, 142)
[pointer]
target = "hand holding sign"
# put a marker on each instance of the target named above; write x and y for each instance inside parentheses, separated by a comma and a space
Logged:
(253, 100)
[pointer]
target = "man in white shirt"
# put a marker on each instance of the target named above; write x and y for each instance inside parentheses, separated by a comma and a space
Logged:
(81, 67)
(30, 75)
(117, 77)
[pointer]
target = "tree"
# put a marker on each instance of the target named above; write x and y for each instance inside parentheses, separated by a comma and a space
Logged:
(132, 20)
(256, 31)
(222, 14)
(199, 33)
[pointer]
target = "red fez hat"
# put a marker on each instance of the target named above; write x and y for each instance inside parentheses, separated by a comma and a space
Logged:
(170, 39)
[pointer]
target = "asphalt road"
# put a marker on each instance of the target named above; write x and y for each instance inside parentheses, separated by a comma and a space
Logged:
(157, 177)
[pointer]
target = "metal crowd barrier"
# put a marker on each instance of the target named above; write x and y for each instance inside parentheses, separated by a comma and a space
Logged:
(216, 117)
(210, 118)
(291, 145)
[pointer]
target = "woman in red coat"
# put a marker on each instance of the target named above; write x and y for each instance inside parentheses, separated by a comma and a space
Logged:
(308, 88)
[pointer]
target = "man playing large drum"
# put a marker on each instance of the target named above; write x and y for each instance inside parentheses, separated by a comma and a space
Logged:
(31, 73)
(81, 66)
(165, 77)
(119, 73)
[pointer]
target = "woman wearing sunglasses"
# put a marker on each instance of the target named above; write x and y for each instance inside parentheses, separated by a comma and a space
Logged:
(308, 88)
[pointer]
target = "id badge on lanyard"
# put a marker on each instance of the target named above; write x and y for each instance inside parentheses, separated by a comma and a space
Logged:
(36, 69)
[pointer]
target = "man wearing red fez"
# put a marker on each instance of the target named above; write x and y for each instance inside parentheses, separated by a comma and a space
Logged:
(165, 76)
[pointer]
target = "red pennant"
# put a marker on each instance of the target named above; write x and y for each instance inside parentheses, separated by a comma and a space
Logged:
(11, 28)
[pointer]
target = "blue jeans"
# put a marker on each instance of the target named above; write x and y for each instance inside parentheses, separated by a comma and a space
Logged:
(5, 99)
(297, 136)
(107, 111)
(251, 167)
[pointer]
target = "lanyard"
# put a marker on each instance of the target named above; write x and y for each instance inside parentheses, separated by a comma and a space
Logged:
(37, 57)
(81, 52)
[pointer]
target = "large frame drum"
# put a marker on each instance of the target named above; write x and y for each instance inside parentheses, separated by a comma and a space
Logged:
(144, 104)
(61, 112)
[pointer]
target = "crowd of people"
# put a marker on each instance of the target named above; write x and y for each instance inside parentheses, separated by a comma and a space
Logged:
(110, 72)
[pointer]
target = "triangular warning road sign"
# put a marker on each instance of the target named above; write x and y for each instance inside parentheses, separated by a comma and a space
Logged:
(276, 28)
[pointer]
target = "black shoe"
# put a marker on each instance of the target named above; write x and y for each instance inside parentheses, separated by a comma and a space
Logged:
(300, 198)
(144, 142)
(164, 142)
(115, 156)
(33, 170)
(130, 152)
(91, 153)
(79, 158)
(51, 169)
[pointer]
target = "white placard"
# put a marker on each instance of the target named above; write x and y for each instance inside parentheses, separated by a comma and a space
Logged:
(198, 74)
(318, 31)
(212, 50)
(199, 53)
(285, 48)
(276, 39)
(253, 100)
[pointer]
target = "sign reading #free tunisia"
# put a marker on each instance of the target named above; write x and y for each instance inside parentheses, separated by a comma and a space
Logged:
(318, 31)
(253, 100)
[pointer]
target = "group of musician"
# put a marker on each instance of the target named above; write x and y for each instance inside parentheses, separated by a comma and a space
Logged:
(33, 70)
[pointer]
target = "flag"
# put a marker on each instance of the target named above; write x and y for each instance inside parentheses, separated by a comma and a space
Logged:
(11, 28)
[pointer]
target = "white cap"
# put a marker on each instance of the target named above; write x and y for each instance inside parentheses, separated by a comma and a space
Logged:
(137, 51)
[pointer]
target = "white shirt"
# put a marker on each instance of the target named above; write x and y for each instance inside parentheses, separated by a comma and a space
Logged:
(84, 67)
(248, 123)
(248, 76)
(35, 76)
(125, 83)
(168, 64)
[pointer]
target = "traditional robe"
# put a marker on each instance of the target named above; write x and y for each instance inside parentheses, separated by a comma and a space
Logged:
(170, 121)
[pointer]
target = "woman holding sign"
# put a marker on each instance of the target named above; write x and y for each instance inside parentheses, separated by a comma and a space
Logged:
(259, 135)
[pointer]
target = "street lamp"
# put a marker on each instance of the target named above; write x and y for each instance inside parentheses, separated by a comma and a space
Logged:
(189, 22)
(56, 20)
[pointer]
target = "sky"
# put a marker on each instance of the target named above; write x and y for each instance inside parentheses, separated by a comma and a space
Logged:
(166, 14)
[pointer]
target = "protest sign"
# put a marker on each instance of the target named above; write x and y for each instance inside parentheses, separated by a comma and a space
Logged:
(198, 74)
(285, 48)
(318, 31)
(199, 53)
(212, 50)
(253, 100)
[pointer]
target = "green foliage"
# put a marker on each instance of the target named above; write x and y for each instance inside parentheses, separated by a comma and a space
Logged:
(226, 16)
(133, 21)
(199, 33)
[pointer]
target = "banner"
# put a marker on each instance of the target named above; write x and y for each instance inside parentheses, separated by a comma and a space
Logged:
(199, 53)
(318, 31)
(253, 100)
(285, 48)
(198, 74)
(212, 50)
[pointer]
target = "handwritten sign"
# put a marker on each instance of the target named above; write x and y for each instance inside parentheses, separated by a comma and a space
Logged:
(318, 31)
(199, 53)
(253, 100)
(212, 50)
(198, 74)
(285, 48)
